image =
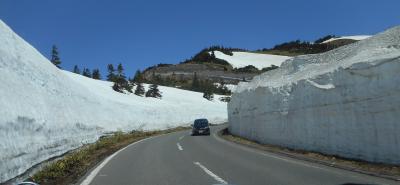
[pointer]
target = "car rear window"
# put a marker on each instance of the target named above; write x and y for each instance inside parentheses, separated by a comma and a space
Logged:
(200, 123)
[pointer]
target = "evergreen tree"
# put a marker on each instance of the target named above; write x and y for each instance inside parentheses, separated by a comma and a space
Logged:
(222, 89)
(195, 83)
(128, 86)
(120, 82)
(55, 59)
(139, 89)
(117, 87)
(111, 73)
(208, 90)
(138, 77)
(153, 91)
(213, 54)
(86, 72)
(208, 94)
(120, 71)
(96, 74)
(76, 70)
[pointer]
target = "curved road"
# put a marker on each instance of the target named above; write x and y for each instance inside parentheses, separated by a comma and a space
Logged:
(181, 159)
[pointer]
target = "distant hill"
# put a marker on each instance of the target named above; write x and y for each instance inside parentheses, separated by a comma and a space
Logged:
(321, 45)
(231, 65)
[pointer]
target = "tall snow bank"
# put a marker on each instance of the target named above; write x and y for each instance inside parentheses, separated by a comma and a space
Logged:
(45, 111)
(243, 59)
(344, 102)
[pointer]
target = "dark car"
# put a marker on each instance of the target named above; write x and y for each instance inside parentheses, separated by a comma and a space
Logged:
(200, 127)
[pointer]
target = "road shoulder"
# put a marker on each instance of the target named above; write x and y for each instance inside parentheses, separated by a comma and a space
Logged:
(391, 172)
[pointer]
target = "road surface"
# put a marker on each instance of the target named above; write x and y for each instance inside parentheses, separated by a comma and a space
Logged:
(181, 159)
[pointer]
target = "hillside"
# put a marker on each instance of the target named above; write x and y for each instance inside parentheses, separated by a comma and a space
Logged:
(232, 65)
(343, 102)
(214, 65)
(243, 59)
(42, 107)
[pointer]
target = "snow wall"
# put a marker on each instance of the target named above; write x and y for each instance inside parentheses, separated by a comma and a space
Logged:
(45, 111)
(344, 102)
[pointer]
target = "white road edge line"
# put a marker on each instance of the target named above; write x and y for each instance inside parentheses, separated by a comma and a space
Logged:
(290, 160)
(179, 146)
(93, 174)
(210, 173)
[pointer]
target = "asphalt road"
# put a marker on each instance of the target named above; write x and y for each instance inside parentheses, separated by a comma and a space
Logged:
(181, 159)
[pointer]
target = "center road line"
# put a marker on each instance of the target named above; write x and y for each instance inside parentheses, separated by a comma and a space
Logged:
(179, 146)
(93, 174)
(210, 173)
(180, 138)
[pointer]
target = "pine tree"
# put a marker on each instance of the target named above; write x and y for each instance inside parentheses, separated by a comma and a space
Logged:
(208, 95)
(86, 72)
(96, 74)
(120, 71)
(76, 70)
(195, 82)
(128, 86)
(138, 77)
(208, 88)
(213, 54)
(111, 73)
(117, 87)
(55, 59)
(139, 89)
(120, 82)
(153, 91)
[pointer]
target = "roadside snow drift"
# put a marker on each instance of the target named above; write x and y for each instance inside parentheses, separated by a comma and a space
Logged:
(243, 59)
(45, 111)
(344, 102)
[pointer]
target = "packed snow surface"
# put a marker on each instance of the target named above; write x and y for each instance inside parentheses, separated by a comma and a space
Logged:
(243, 59)
(354, 37)
(343, 102)
(45, 111)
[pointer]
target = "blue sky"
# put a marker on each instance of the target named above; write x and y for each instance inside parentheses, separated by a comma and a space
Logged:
(141, 33)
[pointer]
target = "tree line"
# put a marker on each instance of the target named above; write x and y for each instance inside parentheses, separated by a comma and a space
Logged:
(95, 73)
(207, 87)
(121, 83)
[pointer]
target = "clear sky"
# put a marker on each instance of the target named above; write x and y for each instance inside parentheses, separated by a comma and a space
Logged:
(141, 33)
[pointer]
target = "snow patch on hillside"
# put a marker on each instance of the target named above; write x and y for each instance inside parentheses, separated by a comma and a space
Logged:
(243, 59)
(354, 37)
(45, 111)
